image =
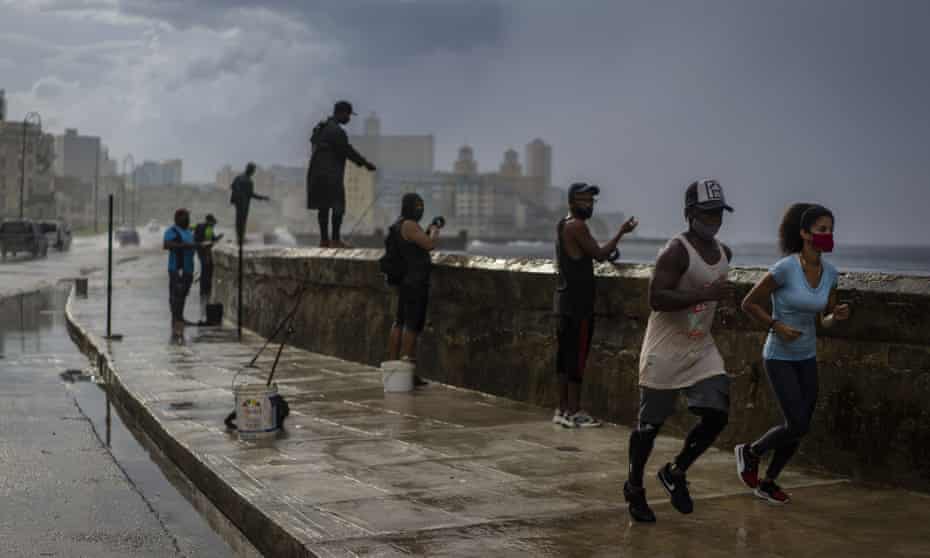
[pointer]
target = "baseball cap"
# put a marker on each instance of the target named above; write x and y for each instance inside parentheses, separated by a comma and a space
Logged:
(344, 106)
(582, 188)
(706, 194)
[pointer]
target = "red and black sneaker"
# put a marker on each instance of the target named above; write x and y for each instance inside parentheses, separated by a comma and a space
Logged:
(747, 466)
(772, 493)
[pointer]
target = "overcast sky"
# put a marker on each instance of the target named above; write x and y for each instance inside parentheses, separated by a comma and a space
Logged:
(821, 100)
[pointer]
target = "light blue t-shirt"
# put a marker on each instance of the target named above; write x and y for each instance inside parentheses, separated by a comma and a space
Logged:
(186, 254)
(795, 303)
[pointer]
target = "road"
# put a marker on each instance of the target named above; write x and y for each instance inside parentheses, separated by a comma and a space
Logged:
(70, 486)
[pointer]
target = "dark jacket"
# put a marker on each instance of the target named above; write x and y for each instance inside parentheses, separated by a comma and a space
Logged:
(325, 175)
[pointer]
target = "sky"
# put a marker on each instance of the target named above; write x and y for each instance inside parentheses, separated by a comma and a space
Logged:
(781, 101)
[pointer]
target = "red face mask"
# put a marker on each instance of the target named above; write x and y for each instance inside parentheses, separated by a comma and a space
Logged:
(823, 242)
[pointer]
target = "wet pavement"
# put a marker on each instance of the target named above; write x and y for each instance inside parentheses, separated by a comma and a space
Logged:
(448, 472)
(63, 493)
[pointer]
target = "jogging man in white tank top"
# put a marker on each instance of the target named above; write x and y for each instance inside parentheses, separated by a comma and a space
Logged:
(678, 353)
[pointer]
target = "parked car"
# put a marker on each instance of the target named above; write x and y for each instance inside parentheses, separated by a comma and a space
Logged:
(127, 236)
(58, 234)
(22, 235)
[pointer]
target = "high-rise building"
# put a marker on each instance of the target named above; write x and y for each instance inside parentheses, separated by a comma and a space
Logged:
(539, 161)
(395, 153)
(35, 177)
(78, 156)
(510, 166)
(465, 165)
(154, 173)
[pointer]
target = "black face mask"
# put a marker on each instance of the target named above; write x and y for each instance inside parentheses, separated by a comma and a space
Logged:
(418, 214)
(704, 231)
(583, 212)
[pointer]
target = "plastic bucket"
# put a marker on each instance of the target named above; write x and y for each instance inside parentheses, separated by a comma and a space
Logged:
(255, 413)
(397, 376)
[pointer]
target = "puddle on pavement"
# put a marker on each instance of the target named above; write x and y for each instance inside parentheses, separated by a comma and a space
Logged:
(33, 327)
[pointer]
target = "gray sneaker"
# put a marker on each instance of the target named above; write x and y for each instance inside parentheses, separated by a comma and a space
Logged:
(557, 417)
(584, 420)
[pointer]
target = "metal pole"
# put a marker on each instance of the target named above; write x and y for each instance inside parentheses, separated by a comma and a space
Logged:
(96, 179)
(239, 305)
(22, 175)
(110, 270)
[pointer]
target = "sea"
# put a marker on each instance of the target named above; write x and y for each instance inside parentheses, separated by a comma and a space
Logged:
(906, 260)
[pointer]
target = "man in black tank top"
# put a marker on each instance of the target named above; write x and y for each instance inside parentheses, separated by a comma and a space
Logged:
(575, 252)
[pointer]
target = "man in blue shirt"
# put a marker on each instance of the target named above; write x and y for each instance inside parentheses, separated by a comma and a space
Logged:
(179, 241)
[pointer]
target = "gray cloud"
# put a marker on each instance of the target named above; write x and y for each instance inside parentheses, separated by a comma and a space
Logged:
(781, 101)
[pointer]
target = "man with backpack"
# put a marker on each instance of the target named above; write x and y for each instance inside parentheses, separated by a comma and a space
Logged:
(406, 265)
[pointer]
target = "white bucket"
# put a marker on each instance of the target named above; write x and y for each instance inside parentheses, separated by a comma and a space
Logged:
(397, 375)
(255, 413)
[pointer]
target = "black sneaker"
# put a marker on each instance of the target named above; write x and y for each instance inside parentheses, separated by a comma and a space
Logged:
(639, 507)
(419, 382)
(676, 484)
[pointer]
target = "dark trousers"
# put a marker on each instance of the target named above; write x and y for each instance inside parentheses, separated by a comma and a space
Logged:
(322, 217)
(206, 278)
(179, 285)
(795, 386)
(242, 217)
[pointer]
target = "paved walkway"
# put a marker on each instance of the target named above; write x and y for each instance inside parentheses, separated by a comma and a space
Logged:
(446, 472)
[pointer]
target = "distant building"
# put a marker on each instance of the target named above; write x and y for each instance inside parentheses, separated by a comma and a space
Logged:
(412, 154)
(153, 173)
(510, 166)
(539, 161)
(465, 165)
(78, 156)
(37, 182)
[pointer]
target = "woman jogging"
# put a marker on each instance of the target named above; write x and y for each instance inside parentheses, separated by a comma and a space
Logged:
(802, 288)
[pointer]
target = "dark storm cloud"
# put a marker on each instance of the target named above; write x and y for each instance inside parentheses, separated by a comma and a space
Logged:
(373, 31)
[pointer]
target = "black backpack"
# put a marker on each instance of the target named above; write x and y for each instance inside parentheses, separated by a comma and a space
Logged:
(392, 263)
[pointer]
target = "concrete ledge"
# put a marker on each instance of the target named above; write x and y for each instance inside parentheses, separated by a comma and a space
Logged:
(267, 535)
(490, 328)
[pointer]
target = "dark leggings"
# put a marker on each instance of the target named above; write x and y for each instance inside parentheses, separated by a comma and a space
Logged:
(795, 386)
(322, 217)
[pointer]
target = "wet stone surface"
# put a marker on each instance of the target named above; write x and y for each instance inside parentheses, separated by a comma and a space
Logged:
(449, 472)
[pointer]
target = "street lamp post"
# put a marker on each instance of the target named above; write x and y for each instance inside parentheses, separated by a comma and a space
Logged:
(34, 119)
(129, 169)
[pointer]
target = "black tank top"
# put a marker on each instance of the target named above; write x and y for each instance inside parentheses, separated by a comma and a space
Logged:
(417, 260)
(575, 291)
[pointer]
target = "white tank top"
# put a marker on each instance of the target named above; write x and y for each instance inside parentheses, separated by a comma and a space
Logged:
(678, 349)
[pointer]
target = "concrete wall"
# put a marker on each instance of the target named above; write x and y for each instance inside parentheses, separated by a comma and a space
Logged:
(490, 328)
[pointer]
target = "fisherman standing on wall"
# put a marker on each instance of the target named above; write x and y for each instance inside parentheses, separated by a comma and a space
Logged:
(326, 173)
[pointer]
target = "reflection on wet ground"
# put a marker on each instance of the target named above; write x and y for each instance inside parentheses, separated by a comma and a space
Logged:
(136, 509)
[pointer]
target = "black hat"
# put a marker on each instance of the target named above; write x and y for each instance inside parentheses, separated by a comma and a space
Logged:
(582, 188)
(705, 194)
(210, 219)
(343, 106)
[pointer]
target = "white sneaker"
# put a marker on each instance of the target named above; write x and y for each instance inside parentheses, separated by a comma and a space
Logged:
(565, 420)
(557, 417)
(584, 420)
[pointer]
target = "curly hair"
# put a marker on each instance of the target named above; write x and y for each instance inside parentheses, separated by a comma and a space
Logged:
(798, 217)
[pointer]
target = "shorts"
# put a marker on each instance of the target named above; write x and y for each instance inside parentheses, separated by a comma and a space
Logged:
(574, 339)
(656, 405)
(411, 307)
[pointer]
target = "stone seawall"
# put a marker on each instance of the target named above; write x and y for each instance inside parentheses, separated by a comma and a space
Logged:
(490, 328)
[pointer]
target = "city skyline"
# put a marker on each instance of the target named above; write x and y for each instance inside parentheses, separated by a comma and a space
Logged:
(796, 101)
